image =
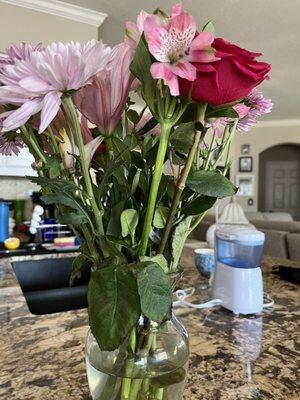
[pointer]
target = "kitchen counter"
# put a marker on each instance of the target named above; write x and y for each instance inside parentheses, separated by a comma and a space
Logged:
(232, 358)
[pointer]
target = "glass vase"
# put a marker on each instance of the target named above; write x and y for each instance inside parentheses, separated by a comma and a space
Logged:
(152, 366)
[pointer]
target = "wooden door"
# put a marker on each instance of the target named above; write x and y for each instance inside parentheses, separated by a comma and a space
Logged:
(282, 190)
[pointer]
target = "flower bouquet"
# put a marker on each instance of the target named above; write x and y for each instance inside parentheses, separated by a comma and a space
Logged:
(132, 180)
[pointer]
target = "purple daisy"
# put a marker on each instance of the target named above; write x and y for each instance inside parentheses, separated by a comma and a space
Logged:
(258, 106)
(10, 142)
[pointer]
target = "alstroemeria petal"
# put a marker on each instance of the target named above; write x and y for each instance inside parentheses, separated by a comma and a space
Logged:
(91, 147)
(163, 71)
(185, 70)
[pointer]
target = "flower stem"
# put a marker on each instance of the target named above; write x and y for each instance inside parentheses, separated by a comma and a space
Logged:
(182, 180)
(33, 144)
(226, 142)
(84, 164)
(158, 169)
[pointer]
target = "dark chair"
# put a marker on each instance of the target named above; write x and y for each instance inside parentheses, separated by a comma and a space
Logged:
(45, 285)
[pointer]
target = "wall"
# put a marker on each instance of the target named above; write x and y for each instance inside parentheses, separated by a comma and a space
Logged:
(260, 138)
(18, 24)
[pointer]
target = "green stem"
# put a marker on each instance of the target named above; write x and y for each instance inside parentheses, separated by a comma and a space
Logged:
(84, 164)
(158, 169)
(126, 384)
(227, 138)
(210, 152)
(90, 243)
(182, 180)
(53, 139)
(31, 142)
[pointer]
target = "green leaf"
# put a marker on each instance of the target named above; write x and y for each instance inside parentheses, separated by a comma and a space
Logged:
(114, 306)
(178, 240)
(109, 249)
(209, 27)
(221, 111)
(158, 259)
(73, 218)
(129, 222)
(199, 205)
(170, 378)
(211, 183)
(76, 267)
(154, 290)
(114, 225)
(135, 181)
(121, 150)
(133, 116)
(183, 137)
(60, 198)
(160, 217)
(140, 67)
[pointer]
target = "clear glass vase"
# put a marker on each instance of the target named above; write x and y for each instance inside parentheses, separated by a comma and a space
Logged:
(154, 368)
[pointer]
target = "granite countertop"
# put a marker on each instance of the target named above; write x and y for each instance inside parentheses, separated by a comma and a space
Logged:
(232, 358)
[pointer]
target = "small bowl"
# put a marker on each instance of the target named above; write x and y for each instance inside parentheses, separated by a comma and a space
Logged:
(205, 261)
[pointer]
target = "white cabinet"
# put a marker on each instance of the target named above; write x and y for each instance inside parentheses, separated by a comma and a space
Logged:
(17, 165)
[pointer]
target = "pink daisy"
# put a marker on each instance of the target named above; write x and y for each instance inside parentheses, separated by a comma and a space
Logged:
(38, 82)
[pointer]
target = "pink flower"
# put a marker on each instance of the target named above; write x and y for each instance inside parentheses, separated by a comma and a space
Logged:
(10, 142)
(146, 117)
(175, 44)
(38, 82)
(21, 52)
(68, 148)
(257, 106)
(134, 30)
(103, 102)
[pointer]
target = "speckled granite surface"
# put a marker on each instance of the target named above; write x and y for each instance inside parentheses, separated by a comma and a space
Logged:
(231, 358)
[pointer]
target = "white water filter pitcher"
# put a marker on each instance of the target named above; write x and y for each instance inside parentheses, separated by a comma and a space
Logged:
(238, 279)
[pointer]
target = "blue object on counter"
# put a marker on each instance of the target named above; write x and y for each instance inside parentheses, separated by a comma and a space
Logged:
(205, 261)
(4, 221)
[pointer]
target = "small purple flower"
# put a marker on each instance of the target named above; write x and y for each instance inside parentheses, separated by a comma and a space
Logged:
(21, 52)
(10, 142)
(258, 106)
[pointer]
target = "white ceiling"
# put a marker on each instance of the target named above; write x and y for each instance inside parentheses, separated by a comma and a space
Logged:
(269, 26)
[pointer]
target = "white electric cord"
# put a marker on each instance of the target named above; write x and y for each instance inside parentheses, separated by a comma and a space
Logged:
(182, 295)
(269, 299)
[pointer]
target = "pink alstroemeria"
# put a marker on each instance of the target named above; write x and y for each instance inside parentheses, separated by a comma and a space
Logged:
(38, 82)
(175, 44)
(103, 102)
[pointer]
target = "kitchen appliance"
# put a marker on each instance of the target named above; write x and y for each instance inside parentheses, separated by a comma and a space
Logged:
(4, 220)
(237, 280)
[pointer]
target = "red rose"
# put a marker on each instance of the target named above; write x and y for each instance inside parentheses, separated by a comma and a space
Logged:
(229, 79)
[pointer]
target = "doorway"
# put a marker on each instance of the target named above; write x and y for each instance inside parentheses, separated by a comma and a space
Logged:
(279, 180)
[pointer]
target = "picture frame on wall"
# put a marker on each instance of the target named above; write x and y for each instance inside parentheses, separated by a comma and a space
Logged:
(245, 149)
(245, 164)
(245, 185)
